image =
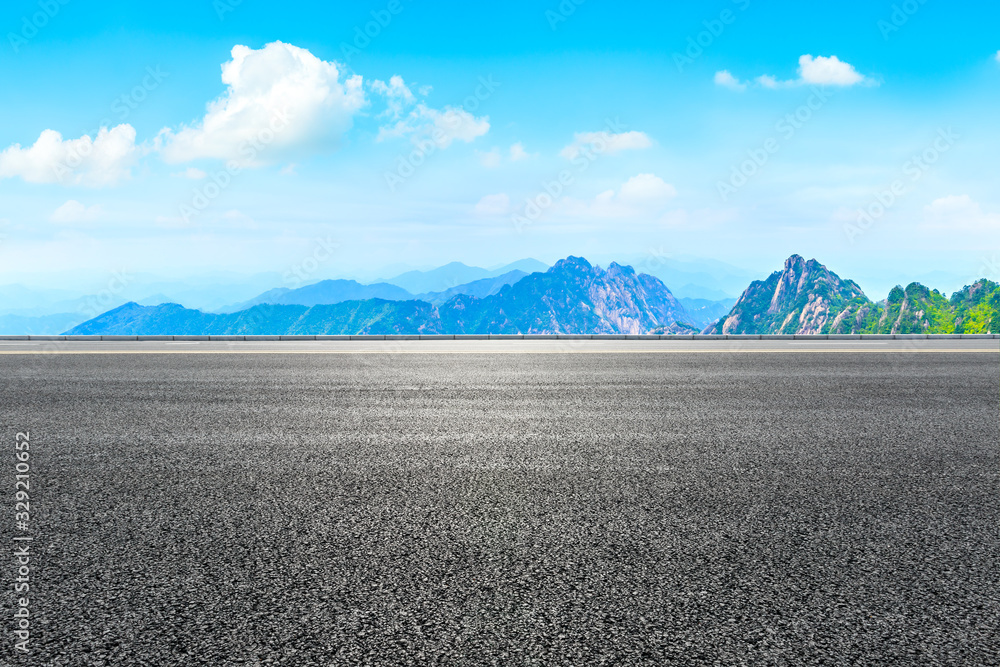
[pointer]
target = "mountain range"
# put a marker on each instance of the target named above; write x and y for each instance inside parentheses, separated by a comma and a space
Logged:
(807, 298)
(454, 274)
(81, 296)
(571, 297)
(337, 291)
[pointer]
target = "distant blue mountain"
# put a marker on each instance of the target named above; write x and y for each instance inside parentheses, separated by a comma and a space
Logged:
(324, 292)
(706, 311)
(452, 275)
(571, 297)
(328, 292)
(23, 325)
(477, 288)
(528, 265)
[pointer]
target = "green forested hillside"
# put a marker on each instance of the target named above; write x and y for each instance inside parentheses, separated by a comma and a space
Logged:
(806, 298)
(977, 308)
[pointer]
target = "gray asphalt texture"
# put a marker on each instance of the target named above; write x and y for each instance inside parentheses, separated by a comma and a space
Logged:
(811, 508)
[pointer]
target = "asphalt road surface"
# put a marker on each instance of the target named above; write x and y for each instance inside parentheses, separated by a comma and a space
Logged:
(625, 504)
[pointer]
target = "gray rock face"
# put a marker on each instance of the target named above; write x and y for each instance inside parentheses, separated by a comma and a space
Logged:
(803, 298)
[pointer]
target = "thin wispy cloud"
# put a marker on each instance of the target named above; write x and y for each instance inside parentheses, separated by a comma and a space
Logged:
(959, 213)
(606, 142)
(493, 205)
(397, 94)
(494, 157)
(420, 122)
(73, 211)
(638, 197)
(517, 152)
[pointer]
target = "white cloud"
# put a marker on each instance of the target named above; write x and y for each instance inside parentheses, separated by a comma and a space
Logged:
(725, 78)
(606, 142)
(998, 56)
(645, 189)
(498, 204)
(398, 96)
(829, 71)
(439, 126)
(193, 173)
(768, 81)
(278, 98)
(817, 71)
(641, 195)
(423, 123)
(103, 160)
(953, 205)
(959, 212)
(491, 158)
(74, 211)
(494, 157)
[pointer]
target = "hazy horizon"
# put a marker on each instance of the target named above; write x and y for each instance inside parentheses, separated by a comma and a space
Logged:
(227, 136)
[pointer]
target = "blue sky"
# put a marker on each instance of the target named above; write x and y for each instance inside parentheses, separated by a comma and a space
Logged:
(860, 133)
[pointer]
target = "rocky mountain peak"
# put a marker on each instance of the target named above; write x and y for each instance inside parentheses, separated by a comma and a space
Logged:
(795, 263)
(571, 263)
(803, 298)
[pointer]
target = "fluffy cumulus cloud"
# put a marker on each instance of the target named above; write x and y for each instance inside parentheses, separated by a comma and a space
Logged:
(605, 142)
(278, 99)
(829, 71)
(818, 70)
(74, 211)
(727, 80)
(99, 161)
